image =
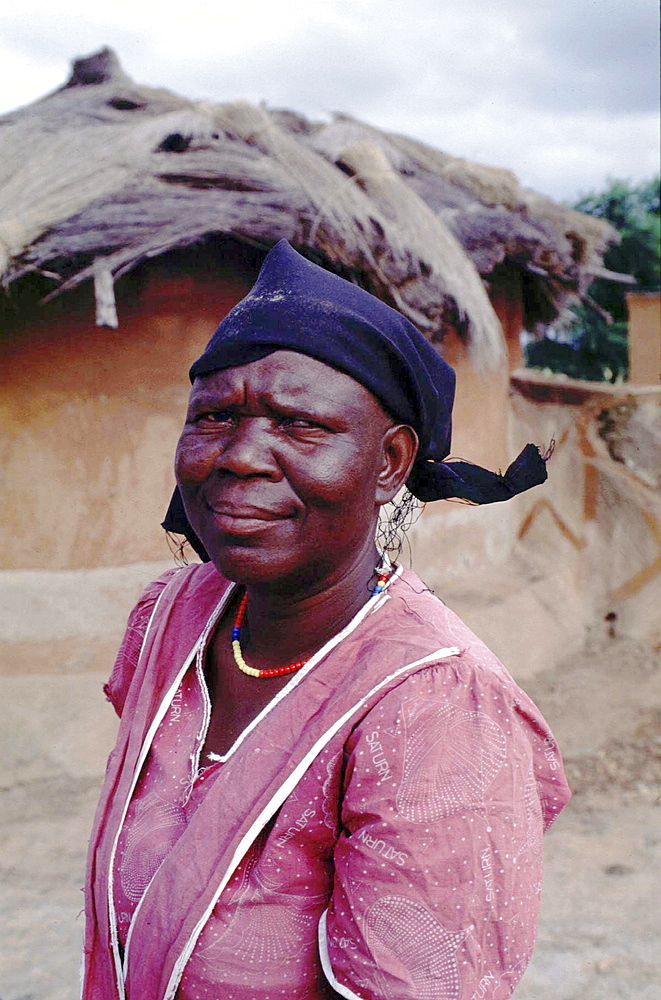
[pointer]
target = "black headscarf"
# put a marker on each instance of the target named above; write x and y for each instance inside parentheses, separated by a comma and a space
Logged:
(297, 306)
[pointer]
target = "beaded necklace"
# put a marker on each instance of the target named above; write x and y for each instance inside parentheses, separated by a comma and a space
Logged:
(290, 668)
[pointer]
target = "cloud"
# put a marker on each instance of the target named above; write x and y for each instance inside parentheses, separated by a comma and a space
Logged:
(599, 57)
(342, 77)
(562, 92)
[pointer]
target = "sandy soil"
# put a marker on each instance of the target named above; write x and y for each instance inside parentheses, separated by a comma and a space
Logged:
(599, 934)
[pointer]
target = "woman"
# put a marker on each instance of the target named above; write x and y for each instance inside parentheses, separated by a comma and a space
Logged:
(324, 785)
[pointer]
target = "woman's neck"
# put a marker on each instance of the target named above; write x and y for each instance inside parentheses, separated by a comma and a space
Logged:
(281, 627)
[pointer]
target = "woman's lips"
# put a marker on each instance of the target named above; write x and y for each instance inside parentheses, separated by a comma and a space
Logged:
(240, 520)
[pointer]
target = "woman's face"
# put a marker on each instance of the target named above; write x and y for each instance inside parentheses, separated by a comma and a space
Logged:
(282, 465)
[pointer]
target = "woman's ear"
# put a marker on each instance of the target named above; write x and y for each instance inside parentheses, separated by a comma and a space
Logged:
(400, 446)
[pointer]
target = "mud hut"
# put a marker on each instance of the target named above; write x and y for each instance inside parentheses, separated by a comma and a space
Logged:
(132, 219)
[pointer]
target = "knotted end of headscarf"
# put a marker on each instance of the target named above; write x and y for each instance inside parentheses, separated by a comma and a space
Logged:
(432, 480)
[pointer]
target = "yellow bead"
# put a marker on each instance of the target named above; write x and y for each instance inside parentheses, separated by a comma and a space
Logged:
(241, 663)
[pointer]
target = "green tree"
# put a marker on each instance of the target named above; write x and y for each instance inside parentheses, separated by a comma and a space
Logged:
(594, 345)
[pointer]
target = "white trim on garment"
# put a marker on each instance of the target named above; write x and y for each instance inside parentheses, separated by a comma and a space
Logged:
(162, 709)
(197, 653)
(288, 786)
(324, 955)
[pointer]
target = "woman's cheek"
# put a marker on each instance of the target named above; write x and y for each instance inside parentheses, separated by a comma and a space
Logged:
(194, 459)
(336, 476)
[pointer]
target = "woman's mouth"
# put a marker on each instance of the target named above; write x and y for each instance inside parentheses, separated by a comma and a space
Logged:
(244, 519)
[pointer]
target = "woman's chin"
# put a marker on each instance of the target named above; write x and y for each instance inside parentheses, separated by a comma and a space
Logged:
(251, 567)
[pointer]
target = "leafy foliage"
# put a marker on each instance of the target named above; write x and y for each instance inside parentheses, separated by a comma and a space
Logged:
(591, 347)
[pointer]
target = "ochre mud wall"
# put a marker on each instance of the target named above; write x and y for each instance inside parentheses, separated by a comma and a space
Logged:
(644, 337)
(600, 513)
(578, 556)
(91, 417)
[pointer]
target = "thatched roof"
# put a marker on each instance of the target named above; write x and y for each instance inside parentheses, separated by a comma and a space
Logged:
(103, 173)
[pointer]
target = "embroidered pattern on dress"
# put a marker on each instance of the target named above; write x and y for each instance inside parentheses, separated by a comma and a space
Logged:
(156, 827)
(275, 934)
(473, 748)
(534, 832)
(418, 942)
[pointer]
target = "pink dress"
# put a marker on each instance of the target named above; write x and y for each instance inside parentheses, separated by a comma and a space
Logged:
(375, 833)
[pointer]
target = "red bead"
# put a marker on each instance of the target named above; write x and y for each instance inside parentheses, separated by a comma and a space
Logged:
(290, 668)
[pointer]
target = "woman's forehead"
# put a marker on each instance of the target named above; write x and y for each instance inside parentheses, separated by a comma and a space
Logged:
(288, 375)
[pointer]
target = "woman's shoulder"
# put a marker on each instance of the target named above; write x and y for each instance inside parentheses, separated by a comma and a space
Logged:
(472, 679)
(182, 582)
(462, 698)
(415, 601)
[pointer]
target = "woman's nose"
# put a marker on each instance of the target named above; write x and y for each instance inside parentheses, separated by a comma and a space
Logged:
(247, 450)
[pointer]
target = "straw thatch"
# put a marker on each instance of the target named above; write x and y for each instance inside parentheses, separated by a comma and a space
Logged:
(102, 174)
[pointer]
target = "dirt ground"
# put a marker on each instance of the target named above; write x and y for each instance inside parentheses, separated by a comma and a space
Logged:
(601, 920)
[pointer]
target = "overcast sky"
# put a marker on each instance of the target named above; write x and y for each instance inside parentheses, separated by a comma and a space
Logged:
(563, 92)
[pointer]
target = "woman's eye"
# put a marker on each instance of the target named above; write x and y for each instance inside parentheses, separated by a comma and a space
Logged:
(214, 417)
(299, 423)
